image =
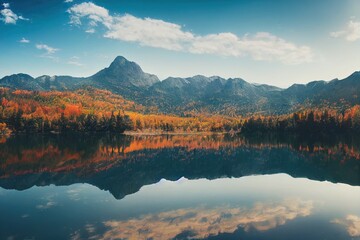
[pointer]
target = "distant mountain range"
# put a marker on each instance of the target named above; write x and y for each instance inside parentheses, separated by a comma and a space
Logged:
(199, 94)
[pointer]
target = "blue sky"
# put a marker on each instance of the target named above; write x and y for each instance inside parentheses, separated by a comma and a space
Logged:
(262, 41)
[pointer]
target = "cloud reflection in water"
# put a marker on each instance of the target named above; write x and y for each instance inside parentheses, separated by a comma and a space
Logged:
(351, 223)
(205, 222)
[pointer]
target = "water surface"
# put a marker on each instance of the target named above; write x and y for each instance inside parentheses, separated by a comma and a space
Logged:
(179, 187)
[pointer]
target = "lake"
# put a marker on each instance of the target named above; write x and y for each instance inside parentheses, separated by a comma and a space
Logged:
(101, 186)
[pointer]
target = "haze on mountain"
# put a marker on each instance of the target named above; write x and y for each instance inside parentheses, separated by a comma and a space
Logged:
(198, 94)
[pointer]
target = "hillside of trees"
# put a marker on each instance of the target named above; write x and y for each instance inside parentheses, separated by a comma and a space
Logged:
(83, 110)
(310, 122)
(93, 110)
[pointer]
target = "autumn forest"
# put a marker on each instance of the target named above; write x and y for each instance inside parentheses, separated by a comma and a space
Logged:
(93, 110)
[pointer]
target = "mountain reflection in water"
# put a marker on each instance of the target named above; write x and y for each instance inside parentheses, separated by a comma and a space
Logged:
(179, 187)
(123, 164)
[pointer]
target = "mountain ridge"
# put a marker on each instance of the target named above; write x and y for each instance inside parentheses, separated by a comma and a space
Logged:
(198, 93)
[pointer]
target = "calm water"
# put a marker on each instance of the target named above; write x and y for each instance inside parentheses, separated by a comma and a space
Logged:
(179, 187)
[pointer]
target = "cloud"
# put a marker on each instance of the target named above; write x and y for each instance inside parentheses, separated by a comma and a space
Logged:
(91, 30)
(351, 223)
(351, 33)
(91, 11)
(24, 40)
(157, 33)
(8, 16)
(49, 50)
(205, 222)
(68, 1)
(262, 46)
(150, 32)
(75, 61)
(22, 18)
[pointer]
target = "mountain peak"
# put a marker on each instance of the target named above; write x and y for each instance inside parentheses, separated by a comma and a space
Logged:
(20, 75)
(124, 74)
(20, 81)
(119, 60)
(121, 64)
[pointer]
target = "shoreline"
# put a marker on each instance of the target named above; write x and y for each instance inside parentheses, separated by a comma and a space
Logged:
(135, 133)
(126, 133)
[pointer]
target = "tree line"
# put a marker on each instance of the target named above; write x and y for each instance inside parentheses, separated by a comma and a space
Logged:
(84, 123)
(318, 121)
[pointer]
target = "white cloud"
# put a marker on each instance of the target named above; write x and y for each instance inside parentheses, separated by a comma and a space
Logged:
(222, 43)
(24, 40)
(351, 33)
(160, 34)
(75, 63)
(74, 60)
(49, 50)
(149, 32)
(91, 11)
(262, 46)
(22, 18)
(91, 30)
(68, 1)
(8, 16)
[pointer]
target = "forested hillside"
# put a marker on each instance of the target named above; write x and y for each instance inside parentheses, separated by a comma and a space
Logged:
(95, 110)
(92, 110)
